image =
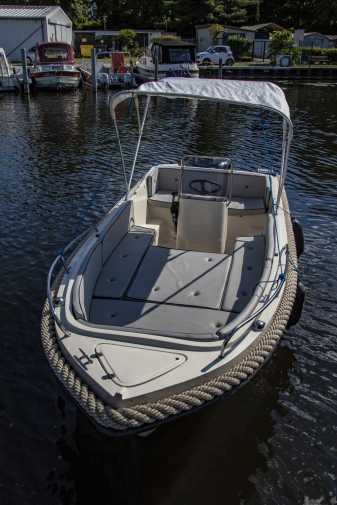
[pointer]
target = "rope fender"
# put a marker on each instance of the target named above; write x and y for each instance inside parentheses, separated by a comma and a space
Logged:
(123, 419)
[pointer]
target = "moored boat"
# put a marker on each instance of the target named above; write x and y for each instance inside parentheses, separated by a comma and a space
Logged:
(167, 58)
(117, 75)
(183, 290)
(54, 67)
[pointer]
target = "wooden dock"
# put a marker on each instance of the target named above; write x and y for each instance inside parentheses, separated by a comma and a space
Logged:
(269, 72)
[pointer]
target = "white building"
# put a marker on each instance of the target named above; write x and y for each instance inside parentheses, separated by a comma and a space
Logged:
(23, 26)
(205, 37)
(315, 39)
(257, 35)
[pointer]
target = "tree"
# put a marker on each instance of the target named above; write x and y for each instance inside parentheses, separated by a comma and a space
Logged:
(239, 45)
(188, 13)
(238, 12)
(282, 42)
(216, 29)
(127, 38)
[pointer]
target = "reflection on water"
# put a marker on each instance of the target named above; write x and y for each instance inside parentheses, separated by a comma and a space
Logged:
(274, 442)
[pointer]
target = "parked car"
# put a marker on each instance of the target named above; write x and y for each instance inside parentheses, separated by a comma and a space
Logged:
(214, 54)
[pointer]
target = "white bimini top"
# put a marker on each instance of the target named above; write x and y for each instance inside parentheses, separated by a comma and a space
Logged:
(265, 95)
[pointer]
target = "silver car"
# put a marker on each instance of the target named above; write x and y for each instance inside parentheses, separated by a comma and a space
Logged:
(214, 54)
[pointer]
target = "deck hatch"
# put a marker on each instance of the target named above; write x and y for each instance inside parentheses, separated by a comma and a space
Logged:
(129, 366)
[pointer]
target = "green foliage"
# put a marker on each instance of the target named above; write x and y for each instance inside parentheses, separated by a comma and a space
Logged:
(166, 37)
(239, 12)
(282, 42)
(78, 10)
(215, 29)
(127, 38)
(240, 46)
(181, 16)
(331, 53)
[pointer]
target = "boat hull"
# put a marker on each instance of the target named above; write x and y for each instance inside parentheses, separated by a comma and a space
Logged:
(146, 413)
(56, 79)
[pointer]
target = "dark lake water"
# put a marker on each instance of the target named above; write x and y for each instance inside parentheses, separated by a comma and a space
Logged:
(275, 441)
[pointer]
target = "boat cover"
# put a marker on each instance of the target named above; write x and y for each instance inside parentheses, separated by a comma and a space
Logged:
(265, 95)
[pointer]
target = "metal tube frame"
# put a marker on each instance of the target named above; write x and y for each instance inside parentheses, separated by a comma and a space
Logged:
(119, 97)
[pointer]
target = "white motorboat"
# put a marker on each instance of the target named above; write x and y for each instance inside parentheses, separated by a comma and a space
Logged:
(8, 80)
(167, 58)
(54, 67)
(180, 294)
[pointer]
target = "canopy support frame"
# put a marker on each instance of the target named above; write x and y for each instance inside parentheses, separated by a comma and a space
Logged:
(120, 97)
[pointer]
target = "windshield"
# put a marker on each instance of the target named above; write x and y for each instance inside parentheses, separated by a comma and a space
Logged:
(57, 53)
(180, 55)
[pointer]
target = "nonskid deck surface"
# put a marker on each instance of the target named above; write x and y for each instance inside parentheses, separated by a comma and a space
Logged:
(185, 294)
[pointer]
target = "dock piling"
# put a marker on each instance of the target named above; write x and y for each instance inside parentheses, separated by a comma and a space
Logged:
(25, 71)
(93, 69)
(156, 68)
(220, 69)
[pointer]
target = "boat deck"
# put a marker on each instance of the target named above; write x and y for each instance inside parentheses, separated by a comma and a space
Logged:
(190, 294)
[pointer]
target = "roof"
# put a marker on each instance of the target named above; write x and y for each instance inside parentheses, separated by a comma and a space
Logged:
(256, 28)
(116, 31)
(225, 27)
(169, 43)
(27, 11)
(307, 34)
(265, 95)
(332, 37)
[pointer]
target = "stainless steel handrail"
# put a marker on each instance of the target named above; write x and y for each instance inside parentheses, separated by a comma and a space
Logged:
(231, 175)
(60, 257)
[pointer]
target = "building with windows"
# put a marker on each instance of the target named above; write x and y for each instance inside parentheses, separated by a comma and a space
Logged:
(258, 35)
(105, 40)
(315, 39)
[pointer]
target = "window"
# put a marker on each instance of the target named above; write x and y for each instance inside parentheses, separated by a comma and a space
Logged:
(55, 53)
(180, 55)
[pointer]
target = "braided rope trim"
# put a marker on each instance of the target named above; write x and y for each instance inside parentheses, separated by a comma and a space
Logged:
(145, 414)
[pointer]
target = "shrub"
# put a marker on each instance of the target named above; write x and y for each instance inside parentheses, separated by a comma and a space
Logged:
(307, 52)
(282, 42)
(127, 38)
(240, 46)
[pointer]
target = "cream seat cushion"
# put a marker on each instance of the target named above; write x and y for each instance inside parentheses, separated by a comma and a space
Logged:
(202, 225)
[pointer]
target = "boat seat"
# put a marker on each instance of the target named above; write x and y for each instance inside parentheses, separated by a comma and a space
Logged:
(119, 268)
(248, 194)
(245, 272)
(161, 199)
(162, 184)
(202, 225)
(237, 205)
(246, 206)
(180, 277)
(155, 318)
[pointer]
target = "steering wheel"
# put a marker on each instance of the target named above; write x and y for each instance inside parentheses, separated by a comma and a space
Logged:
(204, 186)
